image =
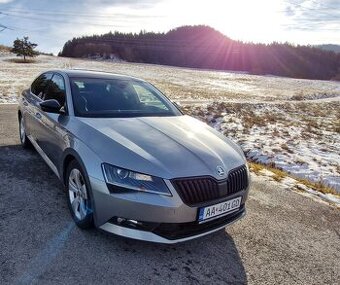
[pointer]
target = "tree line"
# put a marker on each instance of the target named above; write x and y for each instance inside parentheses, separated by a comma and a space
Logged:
(204, 47)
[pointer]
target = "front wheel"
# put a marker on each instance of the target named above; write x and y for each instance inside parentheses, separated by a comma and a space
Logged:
(25, 142)
(79, 200)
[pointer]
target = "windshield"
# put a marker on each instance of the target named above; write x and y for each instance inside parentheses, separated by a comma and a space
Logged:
(94, 97)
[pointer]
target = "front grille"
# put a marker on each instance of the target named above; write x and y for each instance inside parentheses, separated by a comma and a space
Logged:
(197, 190)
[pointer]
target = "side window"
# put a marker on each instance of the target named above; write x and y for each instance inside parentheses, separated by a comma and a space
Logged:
(56, 89)
(39, 85)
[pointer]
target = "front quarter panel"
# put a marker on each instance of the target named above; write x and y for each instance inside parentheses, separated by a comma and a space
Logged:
(91, 165)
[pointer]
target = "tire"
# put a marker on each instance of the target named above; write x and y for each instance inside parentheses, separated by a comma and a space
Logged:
(25, 142)
(78, 196)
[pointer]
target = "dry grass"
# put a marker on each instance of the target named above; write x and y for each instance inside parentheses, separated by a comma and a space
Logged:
(21, 60)
(317, 186)
(285, 147)
(5, 48)
(298, 97)
(336, 126)
(256, 167)
(300, 161)
(312, 122)
(251, 119)
(279, 175)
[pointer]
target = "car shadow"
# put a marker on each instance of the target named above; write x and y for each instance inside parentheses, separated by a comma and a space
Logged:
(25, 164)
(50, 247)
(213, 258)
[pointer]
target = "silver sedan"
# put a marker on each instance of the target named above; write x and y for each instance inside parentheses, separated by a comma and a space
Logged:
(131, 162)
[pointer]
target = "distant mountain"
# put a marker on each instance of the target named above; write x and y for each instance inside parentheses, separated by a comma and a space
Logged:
(204, 47)
(329, 47)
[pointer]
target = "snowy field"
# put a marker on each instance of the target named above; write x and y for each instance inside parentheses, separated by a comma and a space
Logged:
(290, 124)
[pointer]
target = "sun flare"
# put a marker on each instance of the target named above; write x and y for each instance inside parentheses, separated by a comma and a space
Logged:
(243, 20)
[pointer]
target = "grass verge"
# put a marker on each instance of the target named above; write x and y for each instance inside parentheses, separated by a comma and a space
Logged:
(279, 175)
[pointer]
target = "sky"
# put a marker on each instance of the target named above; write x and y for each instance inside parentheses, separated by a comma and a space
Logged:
(51, 23)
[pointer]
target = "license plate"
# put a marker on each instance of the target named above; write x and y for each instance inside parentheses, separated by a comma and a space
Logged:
(220, 209)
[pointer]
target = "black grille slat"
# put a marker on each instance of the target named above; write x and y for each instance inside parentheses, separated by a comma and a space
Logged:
(185, 191)
(232, 182)
(200, 191)
(211, 190)
(196, 190)
(205, 189)
(232, 190)
(242, 180)
(188, 190)
(238, 179)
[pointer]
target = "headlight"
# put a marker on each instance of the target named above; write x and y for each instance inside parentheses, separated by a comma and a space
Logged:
(124, 178)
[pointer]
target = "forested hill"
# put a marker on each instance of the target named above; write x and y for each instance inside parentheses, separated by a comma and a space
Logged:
(204, 47)
(335, 48)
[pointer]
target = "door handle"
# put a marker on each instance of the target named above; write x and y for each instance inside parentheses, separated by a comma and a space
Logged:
(24, 101)
(38, 115)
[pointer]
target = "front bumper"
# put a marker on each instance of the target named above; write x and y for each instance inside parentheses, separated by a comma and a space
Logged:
(155, 218)
(171, 237)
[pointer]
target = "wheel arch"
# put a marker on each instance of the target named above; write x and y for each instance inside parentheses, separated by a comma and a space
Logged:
(69, 155)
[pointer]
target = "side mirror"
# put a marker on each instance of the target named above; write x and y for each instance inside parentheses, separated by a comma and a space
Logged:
(50, 106)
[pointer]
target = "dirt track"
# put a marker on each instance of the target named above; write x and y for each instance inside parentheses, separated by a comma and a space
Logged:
(285, 238)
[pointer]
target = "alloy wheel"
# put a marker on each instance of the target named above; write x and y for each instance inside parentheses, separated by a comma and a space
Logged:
(78, 194)
(22, 131)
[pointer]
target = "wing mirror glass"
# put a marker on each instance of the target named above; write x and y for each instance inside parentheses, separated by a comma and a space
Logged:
(50, 106)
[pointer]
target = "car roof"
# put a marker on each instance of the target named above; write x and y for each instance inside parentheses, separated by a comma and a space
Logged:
(74, 73)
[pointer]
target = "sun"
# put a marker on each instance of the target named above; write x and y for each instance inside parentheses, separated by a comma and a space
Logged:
(245, 20)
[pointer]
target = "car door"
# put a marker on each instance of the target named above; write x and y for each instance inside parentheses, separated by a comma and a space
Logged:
(31, 102)
(51, 134)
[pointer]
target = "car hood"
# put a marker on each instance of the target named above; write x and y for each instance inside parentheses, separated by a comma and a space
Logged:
(168, 147)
